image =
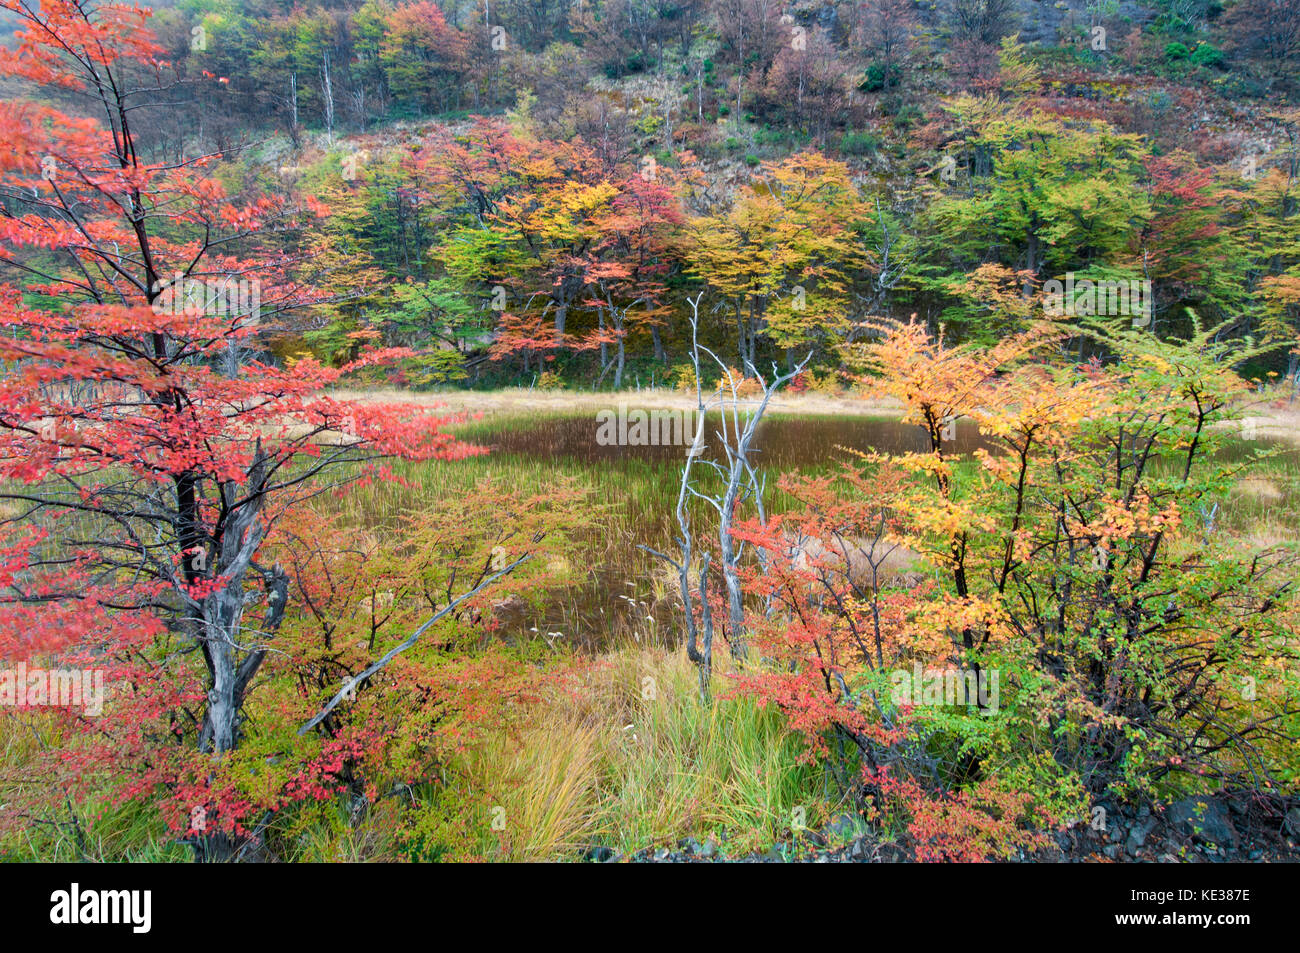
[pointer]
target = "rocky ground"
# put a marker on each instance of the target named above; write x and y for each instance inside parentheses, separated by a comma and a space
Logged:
(1227, 828)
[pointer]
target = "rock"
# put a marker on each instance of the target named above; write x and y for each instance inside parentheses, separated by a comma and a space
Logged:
(661, 854)
(1139, 832)
(509, 608)
(710, 849)
(688, 845)
(842, 827)
(1204, 819)
(360, 808)
(598, 854)
(1111, 851)
(1292, 822)
(811, 837)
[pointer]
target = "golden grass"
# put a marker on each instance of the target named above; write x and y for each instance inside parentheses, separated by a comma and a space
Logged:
(1274, 415)
(630, 757)
(1259, 488)
(519, 399)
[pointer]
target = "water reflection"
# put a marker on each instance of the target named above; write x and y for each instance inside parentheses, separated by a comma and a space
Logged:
(782, 442)
(627, 593)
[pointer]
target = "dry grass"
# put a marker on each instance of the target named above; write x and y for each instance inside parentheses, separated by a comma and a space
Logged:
(1259, 488)
(630, 757)
(1274, 416)
(518, 399)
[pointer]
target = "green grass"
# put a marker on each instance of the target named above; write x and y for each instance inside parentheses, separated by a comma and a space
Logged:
(95, 831)
(633, 760)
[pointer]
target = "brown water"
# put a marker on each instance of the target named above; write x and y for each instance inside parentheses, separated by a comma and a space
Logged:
(625, 593)
(782, 442)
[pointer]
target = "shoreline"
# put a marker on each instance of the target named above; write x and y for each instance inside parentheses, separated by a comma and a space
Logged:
(522, 400)
(1268, 421)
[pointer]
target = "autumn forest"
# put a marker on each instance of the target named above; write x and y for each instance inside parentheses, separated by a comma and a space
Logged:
(614, 431)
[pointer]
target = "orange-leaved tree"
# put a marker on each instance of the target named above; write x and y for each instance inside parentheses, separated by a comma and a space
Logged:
(1077, 620)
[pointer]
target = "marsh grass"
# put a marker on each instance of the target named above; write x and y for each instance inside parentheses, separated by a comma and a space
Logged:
(631, 758)
(622, 591)
(616, 760)
(98, 830)
(628, 757)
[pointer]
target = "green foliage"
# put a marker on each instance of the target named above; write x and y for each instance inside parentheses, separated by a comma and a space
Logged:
(436, 369)
(881, 76)
(1207, 55)
(908, 116)
(436, 310)
(859, 143)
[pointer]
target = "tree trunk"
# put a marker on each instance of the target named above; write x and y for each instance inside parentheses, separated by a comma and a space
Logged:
(329, 96)
(604, 347)
(222, 615)
(294, 129)
(740, 334)
(730, 576)
(618, 370)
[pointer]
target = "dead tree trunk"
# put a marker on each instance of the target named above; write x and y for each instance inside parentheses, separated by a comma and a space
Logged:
(742, 483)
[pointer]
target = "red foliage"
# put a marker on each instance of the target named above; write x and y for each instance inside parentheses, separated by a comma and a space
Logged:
(967, 826)
(152, 471)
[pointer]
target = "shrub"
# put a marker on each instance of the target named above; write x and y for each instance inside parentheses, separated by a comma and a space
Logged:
(859, 143)
(1207, 56)
(682, 377)
(1120, 633)
(880, 76)
(908, 116)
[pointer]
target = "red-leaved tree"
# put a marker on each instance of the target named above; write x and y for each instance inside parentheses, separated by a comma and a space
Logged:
(141, 467)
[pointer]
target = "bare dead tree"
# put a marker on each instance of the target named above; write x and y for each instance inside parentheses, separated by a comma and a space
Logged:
(741, 483)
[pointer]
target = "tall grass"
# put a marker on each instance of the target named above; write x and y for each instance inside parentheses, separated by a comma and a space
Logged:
(96, 830)
(631, 757)
(625, 755)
